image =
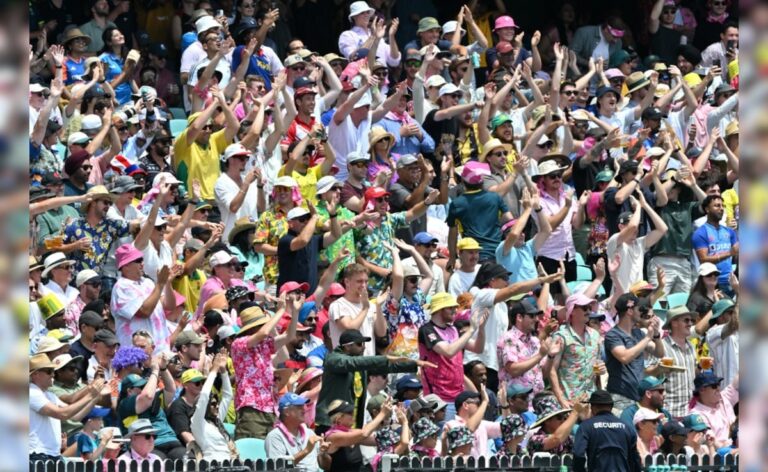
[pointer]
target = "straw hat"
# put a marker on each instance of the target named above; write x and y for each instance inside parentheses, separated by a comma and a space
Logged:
(378, 133)
(99, 192)
(75, 33)
(40, 361)
(252, 317)
(242, 224)
(492, 145)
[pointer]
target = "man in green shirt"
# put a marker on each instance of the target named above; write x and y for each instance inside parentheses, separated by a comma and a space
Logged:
(329, 192)
(53, 221)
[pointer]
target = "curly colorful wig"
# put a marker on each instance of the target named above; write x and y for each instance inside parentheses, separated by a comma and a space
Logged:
(127, 356)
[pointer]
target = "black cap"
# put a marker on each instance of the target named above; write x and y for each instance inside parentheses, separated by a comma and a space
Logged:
(625, 301)
(624, 217)
(673, 428)
(244, 26)
(106, 336)
(37, 193)
(525, 307)
(143, 38)
(352, 336)
(596, 132)
(489, 271)
(52, 127)
(600, 397)
(51, 178)
(303, 82)
(212, 318)
(605, 89)
(159, 49)
(629, 165)
(651, 113)
(90, 318)
(464, 396)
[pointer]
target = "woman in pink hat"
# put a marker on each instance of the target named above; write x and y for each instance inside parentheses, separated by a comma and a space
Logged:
(506, 29)
(308, 386)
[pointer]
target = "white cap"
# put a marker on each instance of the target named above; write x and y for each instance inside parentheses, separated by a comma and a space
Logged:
(150, 91)
(655, 151)
(707, 268)
(233, 150)
(160, 221)
(225, 331)
(85, 275)
(357, 8)
(285, 181)
(167, 177)
(544, 139)
(77, 138)
(296, 212)
(646, 414)
(37, 88)
(355, 156)
(326, 183)
(434, 81)
(90, 122)
(448, 89)
(221, 258)
(450, 27)
(365, 100)
(204, 23)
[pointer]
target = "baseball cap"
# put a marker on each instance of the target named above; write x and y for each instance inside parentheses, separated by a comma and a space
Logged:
(291, 286)
(695, 422)
(86, 276)
(651, 113)
(468, 244)
(106, 336)
(463, 397)
(673, 428)
(194, 244)
(515, 389)
(434, 81)
(90, 318)
(132, 381)
(707, 268)
(77, 137)
(644, 414)
(291, 399)
(624, 217)
(408, 382)
(187, 337)
(448, 89)
(296, 212)
(406, 160)
(352, 336)
(423, 238)
(705, 379)
(376, 401)
(192, 375)
(355, 156)
(650, 383)
(220, 258)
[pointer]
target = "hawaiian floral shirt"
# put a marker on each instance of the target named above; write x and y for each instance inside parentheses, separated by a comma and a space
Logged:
(345, 241)
(404, 318)
(514, 346)
(536, 444)
(576, 360)
(255, 375)
(102, 237)
(271, 227)
(127, 297)
(369, 244)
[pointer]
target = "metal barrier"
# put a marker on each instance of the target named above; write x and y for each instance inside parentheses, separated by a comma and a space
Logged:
(282, 465)
(554, 463)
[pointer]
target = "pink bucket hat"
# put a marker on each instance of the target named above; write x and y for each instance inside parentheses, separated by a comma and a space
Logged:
(473, 172)
(126, 254)
(505, 21)
(577, 299)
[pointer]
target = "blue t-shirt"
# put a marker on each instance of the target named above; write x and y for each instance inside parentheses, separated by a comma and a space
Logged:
(113, 66)
(75, 70)
(483, 226)
(624, 379)
(718, 241)
(259, 65)
(85, 444)
(520, 262)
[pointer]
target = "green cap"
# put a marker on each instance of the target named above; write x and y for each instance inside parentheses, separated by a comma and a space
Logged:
(499, 120)
(605, 175)
(720, 307)
(133, 381)
(427, 23)
(618, 58)
(376, 401)
(695, 423)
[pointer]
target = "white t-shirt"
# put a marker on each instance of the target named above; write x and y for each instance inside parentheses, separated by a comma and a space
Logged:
(725, 352)
(497, 324)
(226, 191)
(460, 281)
(93, 365)
(631, 267)
(345, 138)
(154, 259)
(131, 213)
(44, 431)
(223, 66)
(342, 308)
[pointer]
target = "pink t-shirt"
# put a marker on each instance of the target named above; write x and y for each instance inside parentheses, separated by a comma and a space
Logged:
(486, 430)
(255, 375)
(447, 381)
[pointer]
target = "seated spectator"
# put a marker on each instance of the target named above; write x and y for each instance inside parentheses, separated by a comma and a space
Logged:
(206, 423)
(651, 392)
(647, 423)
(142, 435)
(555, 424)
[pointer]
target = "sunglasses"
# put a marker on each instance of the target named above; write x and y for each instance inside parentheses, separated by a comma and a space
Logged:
(148, 437)
(359, 164)
(122, 129)
(382, 199)
(499, 153)
(668, 11)
(570, 92)
(555, 176)
(719, 4)
(547, 145)
(413, 64)
(164, 142)
(198, 383)
(46, 371)
(106, 202)
(302, 219)
(413, 280)
(237, 267)
(93, 284)
(138, 261)
(380, 73)
(712, 275)
(298, 68)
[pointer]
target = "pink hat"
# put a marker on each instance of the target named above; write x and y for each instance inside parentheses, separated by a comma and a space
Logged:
(577, 299)
(613, 73)
(619, 33)
(291, 286)
(336, 289)
(126, 254)
(309, 374)
(505, 21)
(473, 172)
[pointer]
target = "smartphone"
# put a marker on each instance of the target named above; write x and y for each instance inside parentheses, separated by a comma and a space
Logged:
(732, 44)
(219, 13)
(716, 62)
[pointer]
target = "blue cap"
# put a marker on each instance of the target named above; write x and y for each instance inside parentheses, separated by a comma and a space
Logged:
(605, 89)
(424, 238)
(291, 399)
(650, 383)
(96, 412)
(361, 53)
(705, 379)
(408, 382)
(515, 389)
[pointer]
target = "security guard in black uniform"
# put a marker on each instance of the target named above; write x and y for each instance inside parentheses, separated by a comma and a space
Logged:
(604, 442)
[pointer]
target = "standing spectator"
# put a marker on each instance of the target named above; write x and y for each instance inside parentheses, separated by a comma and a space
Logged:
(523, 357)
(476, 372)
(425, 244)
(715, 406)
(723, 339)
(716, 243)
(411, 188)
(52, 222)
(556, 423)
(573, 367)
(652, 391)
(252, 352)
(236, 195)
(118, 63)
(137, 302)
(89, 322)
(469, 254)
(677, 346)
(408, 134)
(491, 289)
(353, 191)
(597, 41)
(105, 346)
(359, 36)
(625, 348)
(94, 29)
(441, 345)
(665, 35)
(604, 441)
(484, 226)
(222, 265)
(630, 248)
(707, 31)
(78, 167)
(723, 51)
(47, 411)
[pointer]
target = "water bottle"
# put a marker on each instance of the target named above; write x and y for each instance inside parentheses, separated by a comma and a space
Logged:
(475, 60)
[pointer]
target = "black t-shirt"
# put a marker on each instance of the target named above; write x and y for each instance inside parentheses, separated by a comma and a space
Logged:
(584, 177)
(438, 130)
(298, 266)
(398, 194)
(699, 303)
(664, 43)
(180, 417)
(78, 349)
(613, 210)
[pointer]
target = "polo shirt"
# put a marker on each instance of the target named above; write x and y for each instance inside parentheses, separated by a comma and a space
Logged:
(345, 138)
(193, 161)
(447, 381)
(624, 379)
(398, 194)
(520, 261)
(484, 225)
(632, 258)
(722, 416)
(717, 241)
(559, 245)
(298, 266)
(495, 327)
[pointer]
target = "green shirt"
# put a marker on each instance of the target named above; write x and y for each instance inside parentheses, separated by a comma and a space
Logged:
(53, 221)
(69, 427)
(677, 241)
(347, 240)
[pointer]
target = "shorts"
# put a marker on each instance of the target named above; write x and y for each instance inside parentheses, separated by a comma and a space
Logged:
(252, 423)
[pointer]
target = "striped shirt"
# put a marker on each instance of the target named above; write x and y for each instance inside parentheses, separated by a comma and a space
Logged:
(679, 384)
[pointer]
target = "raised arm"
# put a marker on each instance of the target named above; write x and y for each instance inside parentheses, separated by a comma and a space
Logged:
(653, 21)
(660, 227)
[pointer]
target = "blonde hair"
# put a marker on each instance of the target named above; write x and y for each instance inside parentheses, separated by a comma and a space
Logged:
(332, 406)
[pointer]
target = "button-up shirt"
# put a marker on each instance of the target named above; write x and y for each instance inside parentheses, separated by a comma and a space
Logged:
(271, 227)
(560, 242)
(407, 144)
(127, 297)
(722, 416)
(253, 369)
(516, 346)
(577, 359)
(353, 39)
(679, 383)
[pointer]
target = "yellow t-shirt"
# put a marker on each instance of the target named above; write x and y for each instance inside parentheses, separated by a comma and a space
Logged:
(307, 183)
(731, 202)
(190, 287)
(193, 161)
